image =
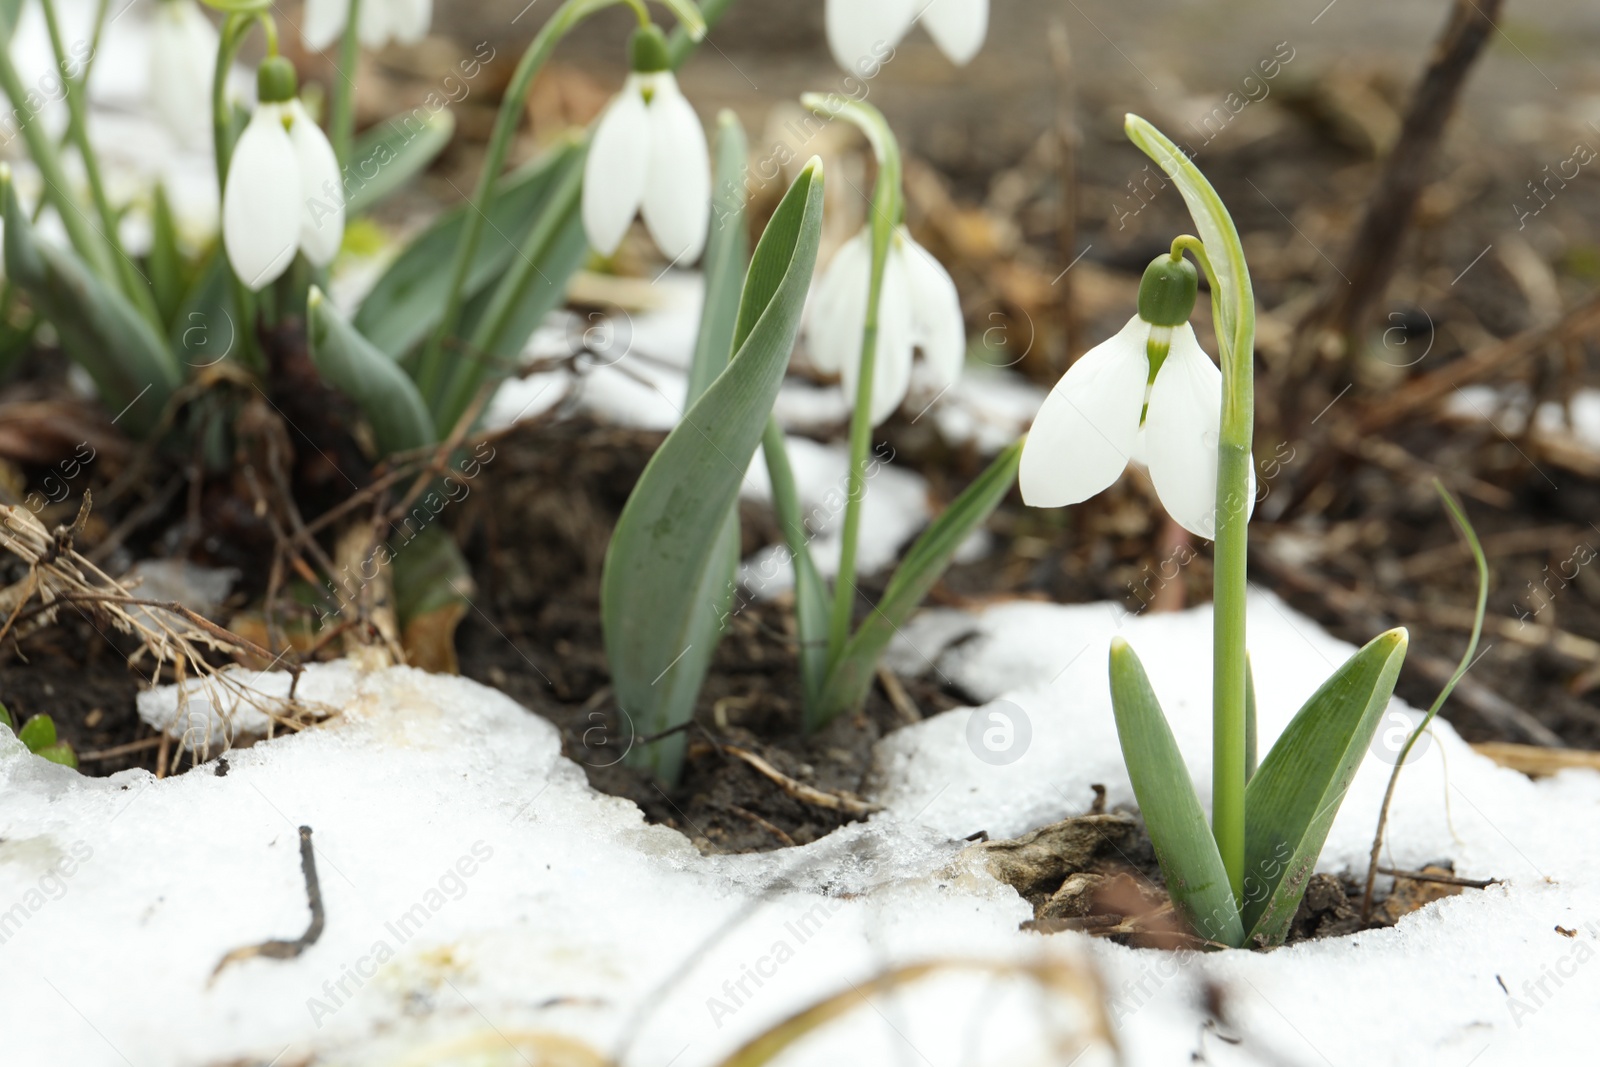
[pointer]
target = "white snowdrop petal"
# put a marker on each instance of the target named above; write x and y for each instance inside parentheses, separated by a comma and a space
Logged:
(937, 323)
(614, 173)
(862, 33)
(183, 44)
(838, 311)
(411, 20)
(261, 205)
(1181, 430)
(374, 27)
(323, 21)
(1084, 433)
(321, 190)
(958, 27)
(891, 369)
(677, 194)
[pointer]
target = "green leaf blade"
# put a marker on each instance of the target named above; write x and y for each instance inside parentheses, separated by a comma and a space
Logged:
(387, 397)
(726, 252)
(850, 677)
(406, 303)
(131, 365)
(1196, 878)
(1291, 801)
(662, 558)
(391, 154)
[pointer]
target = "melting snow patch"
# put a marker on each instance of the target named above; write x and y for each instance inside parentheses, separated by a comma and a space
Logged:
(480, 897)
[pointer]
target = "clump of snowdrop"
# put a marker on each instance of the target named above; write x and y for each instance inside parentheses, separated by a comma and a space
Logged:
(377, 23)
(1152, 375)
(919, 308)
(649, 154)
(183, 51)
(863, 33)
(283, 188)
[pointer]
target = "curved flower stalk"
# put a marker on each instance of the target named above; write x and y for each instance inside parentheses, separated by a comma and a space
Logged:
(1240, 880)
(649, 155)
(276, 200)
(183, 48)
(919, 308)
(862, 34)
(377, 21)
(1152, 375)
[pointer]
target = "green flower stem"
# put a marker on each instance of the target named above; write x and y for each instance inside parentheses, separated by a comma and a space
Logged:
(887, 209)
(342, 121)
(1221, 254)
(89, 244)
(431, 370)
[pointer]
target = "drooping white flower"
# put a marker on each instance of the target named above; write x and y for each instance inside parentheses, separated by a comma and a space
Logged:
(649, 152)
(381, 21)
(918, 308)
(183, 54)
(864, 33)
(283, 191)
(1088, 428)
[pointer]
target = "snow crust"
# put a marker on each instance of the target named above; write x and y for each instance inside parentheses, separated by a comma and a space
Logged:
(478, 892)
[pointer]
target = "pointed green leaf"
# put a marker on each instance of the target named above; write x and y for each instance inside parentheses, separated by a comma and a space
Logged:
(726, 251)
(1291, 801)
(851, 677)
(389, 400)
(391, 154)
(99, 329)
(409, 298)
(166, 261)
(1250, 732)
(5, 718)
(1172, 815)
(662, 558)
(811, 601)
(38, 732)
(203, 329)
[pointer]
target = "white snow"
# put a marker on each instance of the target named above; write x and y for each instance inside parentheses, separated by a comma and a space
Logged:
(506, 898)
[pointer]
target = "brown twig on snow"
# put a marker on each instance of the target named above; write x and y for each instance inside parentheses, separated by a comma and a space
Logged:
(1440, 879)
(288, 950)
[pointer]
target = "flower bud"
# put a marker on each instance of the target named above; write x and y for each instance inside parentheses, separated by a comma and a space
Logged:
(648, 48)
(1167, 292)
(275, 81)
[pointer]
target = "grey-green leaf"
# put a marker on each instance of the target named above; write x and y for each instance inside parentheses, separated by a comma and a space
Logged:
(387, 397)
(409, 298)
(812, 603)
(850, 679)
(1188, 854)
(1290, 803)
(661, 562)
(391, 154)
(100, 330)
(165, 261)
(727, 249)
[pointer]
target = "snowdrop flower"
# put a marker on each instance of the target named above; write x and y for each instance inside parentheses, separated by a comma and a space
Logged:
(283, 191)
(1153, 373)
(918, 307)
(381, 21)
(863, 33)
(183, 54)
(649, 151)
